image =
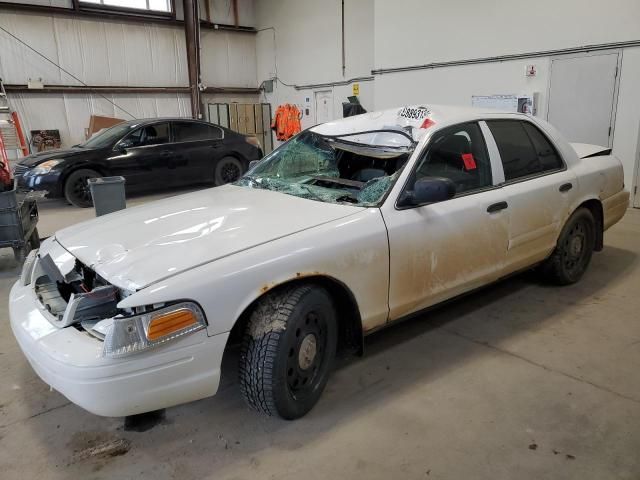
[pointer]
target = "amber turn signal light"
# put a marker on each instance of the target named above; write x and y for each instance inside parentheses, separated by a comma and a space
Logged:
(171, 322)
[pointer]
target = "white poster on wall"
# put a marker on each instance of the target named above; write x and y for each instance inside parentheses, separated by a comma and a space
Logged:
(509, 103)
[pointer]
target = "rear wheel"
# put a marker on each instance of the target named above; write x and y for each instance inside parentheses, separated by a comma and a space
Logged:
(574, 249)
(228, 169)
(76, 188)
(288, 351)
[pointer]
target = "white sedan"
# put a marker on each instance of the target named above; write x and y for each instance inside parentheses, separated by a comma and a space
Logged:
(348, 227)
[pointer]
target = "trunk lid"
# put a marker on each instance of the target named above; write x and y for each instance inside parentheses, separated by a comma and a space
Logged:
(586, 150)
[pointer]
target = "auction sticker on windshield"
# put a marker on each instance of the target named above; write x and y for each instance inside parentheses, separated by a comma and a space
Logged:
(414, 113)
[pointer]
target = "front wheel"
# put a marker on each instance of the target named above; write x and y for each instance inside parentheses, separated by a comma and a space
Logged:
(288, 351)
(574, 249)
(228, 169)
(76, 188)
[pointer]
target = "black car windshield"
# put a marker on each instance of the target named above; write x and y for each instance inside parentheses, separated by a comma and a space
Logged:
(109, 136)
(355, 169)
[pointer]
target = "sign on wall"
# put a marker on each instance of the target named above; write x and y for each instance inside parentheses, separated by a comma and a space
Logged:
(524, 103)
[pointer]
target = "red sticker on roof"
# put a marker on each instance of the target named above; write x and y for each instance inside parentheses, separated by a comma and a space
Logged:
(469, 161)
(427, 123)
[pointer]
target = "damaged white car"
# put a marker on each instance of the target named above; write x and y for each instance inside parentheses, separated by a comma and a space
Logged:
(348, 227)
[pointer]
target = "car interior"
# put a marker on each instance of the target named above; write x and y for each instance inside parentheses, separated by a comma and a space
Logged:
(459, 154)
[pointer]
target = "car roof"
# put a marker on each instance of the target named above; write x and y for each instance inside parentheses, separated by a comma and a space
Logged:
(146, 121)
(410, 119)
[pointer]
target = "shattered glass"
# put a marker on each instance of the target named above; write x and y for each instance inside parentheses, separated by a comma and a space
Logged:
(317, 168)
(374, 190)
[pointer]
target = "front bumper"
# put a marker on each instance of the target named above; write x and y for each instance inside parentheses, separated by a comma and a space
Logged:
(71, 361)
(49, 182)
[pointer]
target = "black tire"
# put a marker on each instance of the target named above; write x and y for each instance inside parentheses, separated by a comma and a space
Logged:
(288, 351)
(76, 188)
(574, 249)
(228, 169)
(20, 254)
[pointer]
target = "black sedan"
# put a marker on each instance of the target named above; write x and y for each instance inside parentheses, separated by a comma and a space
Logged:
(150, 154)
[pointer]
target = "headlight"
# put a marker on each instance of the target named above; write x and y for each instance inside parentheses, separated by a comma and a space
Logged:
(140, 332)
(45, 167)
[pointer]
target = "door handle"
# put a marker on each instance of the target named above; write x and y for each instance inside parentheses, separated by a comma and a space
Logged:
(496, 207)
(565, 187)
(165, 153)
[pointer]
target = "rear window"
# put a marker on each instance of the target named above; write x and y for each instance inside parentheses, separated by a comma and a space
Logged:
(524, 150)
(194, 131)
(547, 154)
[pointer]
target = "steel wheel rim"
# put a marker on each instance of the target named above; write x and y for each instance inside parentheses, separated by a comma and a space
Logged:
(306, 358)
(575, 247)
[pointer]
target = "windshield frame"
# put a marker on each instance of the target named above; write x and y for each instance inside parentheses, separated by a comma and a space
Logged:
(411, 149)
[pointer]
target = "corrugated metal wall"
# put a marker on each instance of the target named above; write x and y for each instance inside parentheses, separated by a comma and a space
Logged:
(115, 53)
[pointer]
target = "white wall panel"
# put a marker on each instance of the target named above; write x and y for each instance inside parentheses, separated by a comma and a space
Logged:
(625, 140)
(422, 31)
(69, 113)
(306, 49)
(99, 53)
(307, 38)
(228, 59)
(48, 3)
(17, 63)
(222, 11)
(114, 53)
(456, 85)
(359, 37)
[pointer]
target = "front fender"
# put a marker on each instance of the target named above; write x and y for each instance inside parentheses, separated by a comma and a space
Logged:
(354, 251)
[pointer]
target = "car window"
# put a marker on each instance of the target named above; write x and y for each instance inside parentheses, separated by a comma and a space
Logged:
(547, 154)
(149, 135)
(458, 153)
(524, 150)
(194, 131)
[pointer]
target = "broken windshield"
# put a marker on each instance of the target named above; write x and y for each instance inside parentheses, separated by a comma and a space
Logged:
(335, 169)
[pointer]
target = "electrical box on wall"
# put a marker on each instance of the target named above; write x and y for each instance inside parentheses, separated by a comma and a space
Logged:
(35, 83)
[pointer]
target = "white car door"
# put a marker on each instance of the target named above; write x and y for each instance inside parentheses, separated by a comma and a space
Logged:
(538, 187)
(440, 250)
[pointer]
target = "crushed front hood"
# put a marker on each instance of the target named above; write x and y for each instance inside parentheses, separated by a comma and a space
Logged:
(140, 246)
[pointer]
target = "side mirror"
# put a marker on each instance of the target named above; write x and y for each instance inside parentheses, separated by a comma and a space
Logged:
(253, 163)
(428, 190)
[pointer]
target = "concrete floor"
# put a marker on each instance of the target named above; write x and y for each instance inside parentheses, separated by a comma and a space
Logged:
(520, 380)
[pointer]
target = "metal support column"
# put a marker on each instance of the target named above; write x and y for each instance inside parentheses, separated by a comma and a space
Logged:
(192, 33)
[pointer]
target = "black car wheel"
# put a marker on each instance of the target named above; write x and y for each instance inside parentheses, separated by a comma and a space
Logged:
(76, 188)
(574, 249)
(228, 169)
(288, 351)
